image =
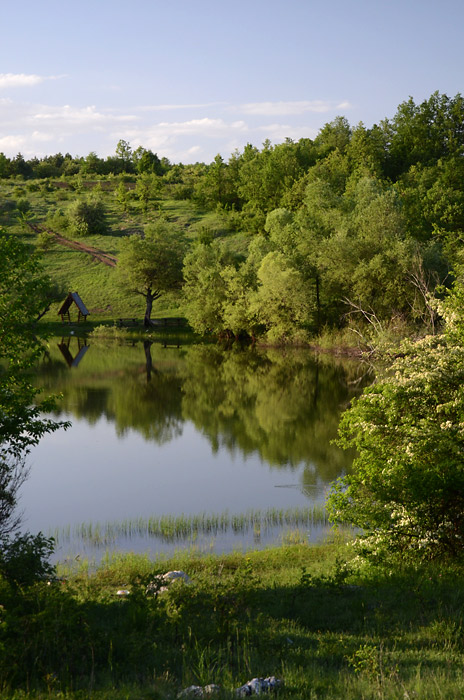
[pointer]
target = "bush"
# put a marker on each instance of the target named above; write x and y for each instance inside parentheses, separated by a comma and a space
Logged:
(406, 492)
(24, 559)
(57, 221)
(45, 240)
(23, 205)
(87, 217)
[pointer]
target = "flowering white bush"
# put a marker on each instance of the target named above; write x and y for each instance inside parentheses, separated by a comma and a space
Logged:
(406, 492)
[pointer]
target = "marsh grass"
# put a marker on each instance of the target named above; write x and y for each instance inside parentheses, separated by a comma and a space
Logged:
(182, 528)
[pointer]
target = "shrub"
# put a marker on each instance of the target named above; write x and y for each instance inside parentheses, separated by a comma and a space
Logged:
(87, 217)
(406, 492)
(57, 220)
(45, 240)
(24, 559)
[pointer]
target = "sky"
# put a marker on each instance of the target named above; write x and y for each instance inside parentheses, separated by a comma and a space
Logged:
(189, 79)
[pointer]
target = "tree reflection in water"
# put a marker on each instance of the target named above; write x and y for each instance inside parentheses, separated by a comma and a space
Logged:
(283, 405)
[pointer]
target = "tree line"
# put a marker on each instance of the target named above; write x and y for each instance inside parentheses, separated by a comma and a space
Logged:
(359, 221)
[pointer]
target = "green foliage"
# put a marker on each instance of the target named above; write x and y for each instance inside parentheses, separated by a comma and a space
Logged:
(406, 492)
(87, 217)
(281, 301)
(23, 205)
(57, 220)
(152, 265)
(147, 188)
(122, 196)
(25, 559)
(45, 240)
(204, 288)
(424, 133)
(23, 291)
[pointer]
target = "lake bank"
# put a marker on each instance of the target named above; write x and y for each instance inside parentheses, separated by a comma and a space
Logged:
(300, 613)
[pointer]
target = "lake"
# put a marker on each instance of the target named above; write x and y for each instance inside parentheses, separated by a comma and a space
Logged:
(193, 446)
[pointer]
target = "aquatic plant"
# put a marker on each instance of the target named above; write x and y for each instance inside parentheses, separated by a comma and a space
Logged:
(179, 528)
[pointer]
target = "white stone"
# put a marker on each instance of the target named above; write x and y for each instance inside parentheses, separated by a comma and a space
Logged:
(156, 586)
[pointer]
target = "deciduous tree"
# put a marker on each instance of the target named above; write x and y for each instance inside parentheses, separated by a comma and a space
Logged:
(152, 265)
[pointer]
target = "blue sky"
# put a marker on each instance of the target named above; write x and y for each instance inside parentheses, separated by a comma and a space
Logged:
(193, 78)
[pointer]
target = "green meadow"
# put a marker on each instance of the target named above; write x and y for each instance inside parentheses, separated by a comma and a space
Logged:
(303, 614)
(71, 270)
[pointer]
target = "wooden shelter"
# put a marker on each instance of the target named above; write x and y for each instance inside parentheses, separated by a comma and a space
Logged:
(73, 298)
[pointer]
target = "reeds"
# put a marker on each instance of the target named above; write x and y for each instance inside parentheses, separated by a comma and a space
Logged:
(178, 528)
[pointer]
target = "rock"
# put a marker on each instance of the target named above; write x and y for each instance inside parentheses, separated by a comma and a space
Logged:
(259, 685)
(193, 691)
(196, 691)
(254, 687)
(211, 689)
(171, 575)
(158, 585)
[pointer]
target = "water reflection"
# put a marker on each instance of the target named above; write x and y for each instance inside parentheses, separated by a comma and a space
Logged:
(177, 430)
(282, 405)
(64, 348)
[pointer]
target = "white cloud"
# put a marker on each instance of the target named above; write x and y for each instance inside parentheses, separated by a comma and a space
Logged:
(279, 132)
(187, 155)
(164, 134)
(173, 107)
(77, 116)
(289, 108)
(345, 105)
(42, 136)
(210, 127)
(34, 128)
(8, 80)
(12, 143)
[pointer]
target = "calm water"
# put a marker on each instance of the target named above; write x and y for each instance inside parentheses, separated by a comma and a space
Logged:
(190, 430)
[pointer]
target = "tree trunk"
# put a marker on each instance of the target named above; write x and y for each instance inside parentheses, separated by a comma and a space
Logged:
(318, 304)
(150, 297)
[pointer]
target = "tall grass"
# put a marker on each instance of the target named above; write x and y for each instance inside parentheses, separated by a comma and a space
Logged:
(178, 528)
(308, 615)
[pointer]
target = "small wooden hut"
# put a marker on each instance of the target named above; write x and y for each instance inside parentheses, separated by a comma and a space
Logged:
(73, 298)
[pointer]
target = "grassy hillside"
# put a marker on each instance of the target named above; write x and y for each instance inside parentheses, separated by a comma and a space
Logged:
(41, 202)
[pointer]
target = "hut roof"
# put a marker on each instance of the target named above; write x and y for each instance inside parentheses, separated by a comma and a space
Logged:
(73, 297)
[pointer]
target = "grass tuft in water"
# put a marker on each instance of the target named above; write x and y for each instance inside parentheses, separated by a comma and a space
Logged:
(178, 528)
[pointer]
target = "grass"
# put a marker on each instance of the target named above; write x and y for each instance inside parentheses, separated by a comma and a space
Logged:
(76, 271)
(302, 613)
(186, 527)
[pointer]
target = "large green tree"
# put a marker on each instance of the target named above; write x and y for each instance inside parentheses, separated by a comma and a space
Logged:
(152, 265)
(205, 287)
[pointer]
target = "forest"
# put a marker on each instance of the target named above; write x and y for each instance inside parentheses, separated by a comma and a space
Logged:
(286, 239)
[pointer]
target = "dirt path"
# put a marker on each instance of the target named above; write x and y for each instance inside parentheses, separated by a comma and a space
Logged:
(97, 254)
